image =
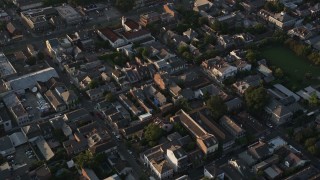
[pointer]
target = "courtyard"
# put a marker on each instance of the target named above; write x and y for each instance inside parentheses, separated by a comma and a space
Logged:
(294, 67)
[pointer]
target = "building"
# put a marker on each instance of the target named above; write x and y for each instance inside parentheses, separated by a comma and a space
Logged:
(36, 19)
(27, 4)
(45, 149)
(6, 68)
(6, 146)
(206, 141)
(178, 158)
(19, 114)
(28, 81)
(130, 25)
(70, 98)
(162, 169)
(149, 17)
(279, 113)
(112, 37)
(282, 20)
(89, 174)
(14, 33)
(202, 5)
(55, 101)
(68, 14)
(232, 127)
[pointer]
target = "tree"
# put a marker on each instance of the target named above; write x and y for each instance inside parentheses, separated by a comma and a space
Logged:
(309, 142)
(182, 49)
(179, 128)
(183, 104)
(278, 73)
(274, 6)
(256, 98)
(83, 159)
(153, 132)
(252, 56)
(314, 150)
(313, 100)
(110, 97)
(93, 84)
(216, 106)
(124, 5)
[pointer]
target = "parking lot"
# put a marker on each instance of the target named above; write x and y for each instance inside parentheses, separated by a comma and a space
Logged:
(22, 158)
(31, 105)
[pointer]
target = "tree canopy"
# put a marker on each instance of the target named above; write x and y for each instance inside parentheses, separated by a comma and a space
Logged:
(256, 99)
(217, 107)
(153, 132)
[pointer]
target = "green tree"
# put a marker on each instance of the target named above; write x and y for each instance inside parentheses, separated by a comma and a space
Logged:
(216, 106)
(314, 100)
(83, 159)
(93, 84)
(278, 73)
(179, 128)
(153, 132)
(183, 104)
(124, 5)
(256, 99)
(252, 56)
(274, 6)
(182, 49)
(110, 97)
(310, 142)
(314, 150)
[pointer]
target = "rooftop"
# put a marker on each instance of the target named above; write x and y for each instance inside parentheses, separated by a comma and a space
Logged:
(5, 66)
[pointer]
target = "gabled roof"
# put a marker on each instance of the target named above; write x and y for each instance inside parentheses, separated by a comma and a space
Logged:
(69, 96)
(131, 24)
(110, 34)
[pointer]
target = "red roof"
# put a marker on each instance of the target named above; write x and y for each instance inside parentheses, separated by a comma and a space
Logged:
(132, 24)
(110, 34)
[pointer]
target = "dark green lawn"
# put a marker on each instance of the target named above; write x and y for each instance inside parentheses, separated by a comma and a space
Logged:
(293, 66)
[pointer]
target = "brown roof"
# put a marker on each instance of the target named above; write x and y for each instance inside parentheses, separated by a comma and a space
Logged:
(162, 166)
(69, 96)
(110, 34)
(191, 125)
(11, 28)
(131, 24)
(53, 98)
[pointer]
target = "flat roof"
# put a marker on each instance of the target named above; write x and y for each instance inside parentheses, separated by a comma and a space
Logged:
(30, 80)
(6, 67)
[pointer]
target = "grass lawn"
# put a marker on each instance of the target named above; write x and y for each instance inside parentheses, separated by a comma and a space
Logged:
(293, 66)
